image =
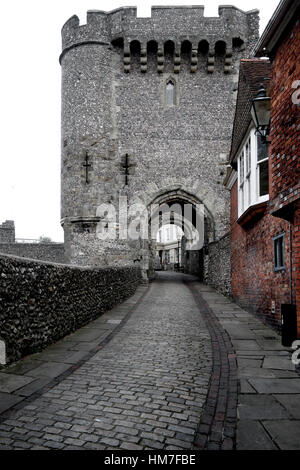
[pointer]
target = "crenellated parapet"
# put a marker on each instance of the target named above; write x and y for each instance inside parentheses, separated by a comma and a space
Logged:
(171, 30)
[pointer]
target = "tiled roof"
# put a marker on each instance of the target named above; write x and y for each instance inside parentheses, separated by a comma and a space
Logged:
(253, 72)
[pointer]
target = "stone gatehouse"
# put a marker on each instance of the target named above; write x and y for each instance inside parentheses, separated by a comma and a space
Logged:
(147, 114)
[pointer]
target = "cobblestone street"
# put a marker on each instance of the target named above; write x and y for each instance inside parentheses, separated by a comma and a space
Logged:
(144, 390)
(178, 366)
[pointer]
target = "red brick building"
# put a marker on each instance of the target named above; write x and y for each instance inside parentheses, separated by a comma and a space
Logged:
(264, 180)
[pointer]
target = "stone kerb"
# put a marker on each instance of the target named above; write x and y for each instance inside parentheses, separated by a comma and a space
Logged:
(41, 302)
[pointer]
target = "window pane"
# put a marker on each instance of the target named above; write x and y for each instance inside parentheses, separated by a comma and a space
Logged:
(278, 253)
(242, 168)
(249, 155)
(249, 192)
(262, 149)
(241, 192)
(263, 178)
(170, 94)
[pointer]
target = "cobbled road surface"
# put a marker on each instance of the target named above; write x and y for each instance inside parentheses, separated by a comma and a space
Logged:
(144, 390)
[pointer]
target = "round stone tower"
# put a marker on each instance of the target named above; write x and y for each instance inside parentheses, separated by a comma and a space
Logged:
(147, 114)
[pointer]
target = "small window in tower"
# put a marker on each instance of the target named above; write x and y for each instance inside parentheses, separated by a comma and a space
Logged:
(170, 93)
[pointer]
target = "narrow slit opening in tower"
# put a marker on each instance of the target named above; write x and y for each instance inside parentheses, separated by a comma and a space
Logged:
(169, 49)
(135, 53)
(152, 48)
(186, 50)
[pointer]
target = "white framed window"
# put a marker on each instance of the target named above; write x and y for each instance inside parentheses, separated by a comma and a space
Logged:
(262, 167)
(248, 172)
(253, 173)
(242, 181)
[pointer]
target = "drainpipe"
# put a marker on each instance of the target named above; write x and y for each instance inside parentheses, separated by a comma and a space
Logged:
(291, 267)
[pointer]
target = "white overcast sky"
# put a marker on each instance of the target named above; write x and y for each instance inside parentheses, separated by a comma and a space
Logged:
(30, 102)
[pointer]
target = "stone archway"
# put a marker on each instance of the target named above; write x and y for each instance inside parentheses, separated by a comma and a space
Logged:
(195, 217)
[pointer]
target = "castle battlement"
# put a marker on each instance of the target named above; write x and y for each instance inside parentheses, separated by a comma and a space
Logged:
(167, 23)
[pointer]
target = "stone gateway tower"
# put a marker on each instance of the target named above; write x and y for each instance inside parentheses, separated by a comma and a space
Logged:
(147, 114)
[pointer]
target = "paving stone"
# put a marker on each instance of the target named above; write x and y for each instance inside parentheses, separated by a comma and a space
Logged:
(74, 442)
(69, 433)
(256, 372)
(249, 362)
(89, 437)
(152, 436)
(72, 357)
(270, 345)
(11, 382)
(7, 401)
(49, 369)
(130, 446)
(179, 443)
(258, 407)
(151, 444)
(54, 445)
(285, 374)
(275, 362)
(181, 429)
(291, 403)
(259, 353)
(22, 445)
(238, 331)
(245, 387)
(85, 346)
(252, 436)
(91, 334)
(247, 344)
(274, 386)
(110, 442)
(286, 433)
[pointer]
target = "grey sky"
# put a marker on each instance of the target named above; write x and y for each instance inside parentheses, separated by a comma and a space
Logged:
(30, 103)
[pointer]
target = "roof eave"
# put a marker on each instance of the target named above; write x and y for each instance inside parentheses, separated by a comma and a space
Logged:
(280, 19)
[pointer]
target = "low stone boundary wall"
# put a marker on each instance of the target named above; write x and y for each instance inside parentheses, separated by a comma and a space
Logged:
(43, 302)
(54, 252)
(218, 265)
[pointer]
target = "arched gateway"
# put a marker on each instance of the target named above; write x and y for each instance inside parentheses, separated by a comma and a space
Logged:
(187, 211)
(147, 113)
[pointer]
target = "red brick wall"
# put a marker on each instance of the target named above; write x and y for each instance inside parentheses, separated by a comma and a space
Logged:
(285, 141)
(254, 283)
(296, 260)
(285, 117)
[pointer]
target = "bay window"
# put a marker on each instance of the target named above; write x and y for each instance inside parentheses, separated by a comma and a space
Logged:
(253, 172)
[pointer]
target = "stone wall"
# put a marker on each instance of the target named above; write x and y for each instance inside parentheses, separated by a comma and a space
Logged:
(191, 260)
(54, 252)
(217, 265)
(42, 302)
